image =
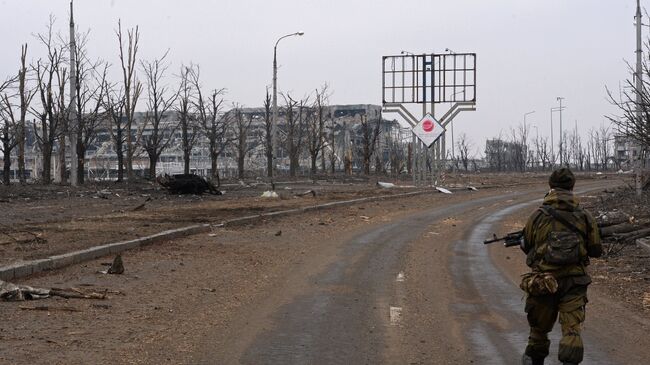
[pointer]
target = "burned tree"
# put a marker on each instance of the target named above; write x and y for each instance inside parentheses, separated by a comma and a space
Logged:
(213, 125)
(131, 86)
(157, 130)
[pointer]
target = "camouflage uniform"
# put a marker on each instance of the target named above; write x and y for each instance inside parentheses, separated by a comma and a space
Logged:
(571, 296)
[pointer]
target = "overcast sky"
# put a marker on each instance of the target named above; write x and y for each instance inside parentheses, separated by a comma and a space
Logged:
(528, 51)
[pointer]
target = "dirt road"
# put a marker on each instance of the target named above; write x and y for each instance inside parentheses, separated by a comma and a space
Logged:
(401, 282)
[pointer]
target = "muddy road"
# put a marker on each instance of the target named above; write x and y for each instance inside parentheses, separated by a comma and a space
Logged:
(397, 282)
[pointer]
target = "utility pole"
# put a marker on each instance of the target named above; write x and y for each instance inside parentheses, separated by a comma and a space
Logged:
(638, 163)
(72, 116)
(559, 98)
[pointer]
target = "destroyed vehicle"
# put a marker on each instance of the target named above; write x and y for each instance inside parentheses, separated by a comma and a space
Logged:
(187, 184)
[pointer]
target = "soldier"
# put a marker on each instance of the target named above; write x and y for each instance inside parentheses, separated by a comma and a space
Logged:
(559, 238)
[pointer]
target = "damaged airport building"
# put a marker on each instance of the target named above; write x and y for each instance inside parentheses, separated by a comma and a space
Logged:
(343, 138)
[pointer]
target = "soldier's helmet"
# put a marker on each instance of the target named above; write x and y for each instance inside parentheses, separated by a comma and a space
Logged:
(562, 179)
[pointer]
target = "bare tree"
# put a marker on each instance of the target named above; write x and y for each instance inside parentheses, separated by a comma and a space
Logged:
(369, 129)
(464, 146)
(397, 155)
(543, 152)
(25, 96)
(294, 131)
(114, 102)
(89, 98)
(241, 128)
(157, 130)
(188, 126)
(7, 129)
(213, 125)
(49, 73)
(131, 86)
(316, 127)
(268, 134)
(519, 147)
(627, 122)
(330, 137)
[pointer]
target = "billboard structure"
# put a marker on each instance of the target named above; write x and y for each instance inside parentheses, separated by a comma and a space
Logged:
(429, 80)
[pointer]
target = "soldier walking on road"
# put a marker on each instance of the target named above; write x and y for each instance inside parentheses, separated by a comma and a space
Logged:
(559, 238)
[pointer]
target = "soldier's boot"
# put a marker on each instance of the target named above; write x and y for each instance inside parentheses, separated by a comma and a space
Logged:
(527, 360)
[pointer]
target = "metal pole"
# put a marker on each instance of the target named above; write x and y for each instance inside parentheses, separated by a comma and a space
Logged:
(552, 145)
(73, 108)
(559, 98)
(274, 126)
(274, 121)
(639, 86)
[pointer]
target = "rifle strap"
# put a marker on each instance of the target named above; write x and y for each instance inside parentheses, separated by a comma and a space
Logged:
(564, 222)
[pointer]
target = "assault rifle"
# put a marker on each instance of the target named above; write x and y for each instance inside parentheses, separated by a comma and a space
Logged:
(510, 239)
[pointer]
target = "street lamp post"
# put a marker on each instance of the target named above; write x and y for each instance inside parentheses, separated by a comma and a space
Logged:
(274, 121)
(559, 98)
(527, 114)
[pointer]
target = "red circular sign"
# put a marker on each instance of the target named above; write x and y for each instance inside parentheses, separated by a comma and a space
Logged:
(427, 125)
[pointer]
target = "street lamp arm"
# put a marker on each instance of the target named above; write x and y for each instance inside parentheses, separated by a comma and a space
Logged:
(285, 36)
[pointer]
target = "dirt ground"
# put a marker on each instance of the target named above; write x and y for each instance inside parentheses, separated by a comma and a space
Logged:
(40, 221)
(175, 294)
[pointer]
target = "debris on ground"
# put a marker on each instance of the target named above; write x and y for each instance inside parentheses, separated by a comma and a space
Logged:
(187, 184)
(17, 293)
(142, 206)
(308, 192)
(117, 267)
(443, 190)
(624, 220)
(270, 194)
(385, 185)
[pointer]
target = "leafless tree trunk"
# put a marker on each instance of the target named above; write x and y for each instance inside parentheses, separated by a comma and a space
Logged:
(7, 130)
(331, 137)
(48, 73)
(293, 132)
(627, 122)
(242, 146)
(213, 124)
(25, 95)
(316, 127)
(132, 88)
(464, 146)
(157, 131)
(268, 136)
(114, 106)
(89, 98)
(369, 129)
(186, 118)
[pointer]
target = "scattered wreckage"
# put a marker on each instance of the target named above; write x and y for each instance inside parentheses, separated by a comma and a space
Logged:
(187, 184)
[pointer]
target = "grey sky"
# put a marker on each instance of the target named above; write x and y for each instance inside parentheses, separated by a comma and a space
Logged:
(529, 51)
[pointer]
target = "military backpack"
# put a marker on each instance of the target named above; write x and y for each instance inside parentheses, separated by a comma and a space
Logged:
(562, 247)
